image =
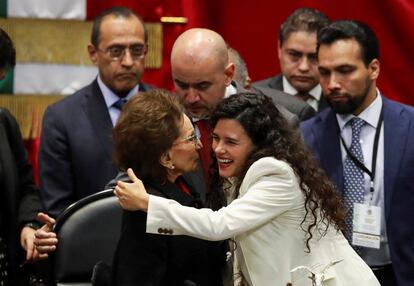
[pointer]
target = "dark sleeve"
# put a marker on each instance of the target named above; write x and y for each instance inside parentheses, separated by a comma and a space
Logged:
(140, 258)
(306, 113)
(55, 168)
(121, 176)
(28, 194)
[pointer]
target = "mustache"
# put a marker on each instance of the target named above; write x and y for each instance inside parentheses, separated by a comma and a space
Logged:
(336, 93)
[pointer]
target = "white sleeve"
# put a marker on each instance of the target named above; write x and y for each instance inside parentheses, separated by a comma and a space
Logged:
(264, 200)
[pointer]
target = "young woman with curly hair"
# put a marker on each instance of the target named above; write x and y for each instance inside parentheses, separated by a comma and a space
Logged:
(285, 211)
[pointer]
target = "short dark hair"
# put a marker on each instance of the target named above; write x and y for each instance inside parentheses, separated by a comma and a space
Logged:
(7, 51)
(352, 29)
(146, 129)
(303, 19)
(118, 12)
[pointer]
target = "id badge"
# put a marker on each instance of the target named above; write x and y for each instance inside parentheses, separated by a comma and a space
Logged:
(366, 226)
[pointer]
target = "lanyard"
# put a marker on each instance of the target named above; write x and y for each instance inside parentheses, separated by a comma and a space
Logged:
(361, 165)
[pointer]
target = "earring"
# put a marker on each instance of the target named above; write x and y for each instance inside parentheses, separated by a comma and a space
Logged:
(171, 167)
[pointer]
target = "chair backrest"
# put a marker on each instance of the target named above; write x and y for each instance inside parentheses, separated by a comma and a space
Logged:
(88, 232)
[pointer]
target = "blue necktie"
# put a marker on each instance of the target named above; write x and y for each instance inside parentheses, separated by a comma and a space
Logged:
(119, 103)
(354, 184)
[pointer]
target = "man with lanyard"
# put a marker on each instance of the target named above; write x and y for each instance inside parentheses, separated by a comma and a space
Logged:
(363, 143)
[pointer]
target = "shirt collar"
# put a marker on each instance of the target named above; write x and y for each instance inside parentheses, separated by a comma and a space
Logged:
(230, 90)
(370, 115)
(110, 97)
(314, 92)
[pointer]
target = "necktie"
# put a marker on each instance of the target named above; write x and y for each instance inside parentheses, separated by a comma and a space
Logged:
(354, 184)
(205, 152)
(303, 95)
(119, 103)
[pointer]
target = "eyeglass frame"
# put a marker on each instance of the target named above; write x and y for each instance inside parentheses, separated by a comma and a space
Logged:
(107, 52)
(193, 138)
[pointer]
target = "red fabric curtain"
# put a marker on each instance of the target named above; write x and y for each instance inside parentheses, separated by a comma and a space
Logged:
(251, 27)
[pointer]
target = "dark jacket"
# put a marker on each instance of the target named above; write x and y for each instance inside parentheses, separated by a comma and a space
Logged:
(20, 201)
(75, 157)
(150, 259)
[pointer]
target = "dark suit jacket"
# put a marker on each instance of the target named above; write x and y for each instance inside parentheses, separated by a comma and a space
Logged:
(20, 200)
(291, 117)
(322, 136)
(75, 158)
(276, 82)
(148, 259)
(295, 105)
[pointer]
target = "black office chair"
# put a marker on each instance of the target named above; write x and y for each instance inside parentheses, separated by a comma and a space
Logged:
(88, 232)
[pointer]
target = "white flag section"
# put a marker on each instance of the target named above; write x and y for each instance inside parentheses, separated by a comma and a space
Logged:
(47, 9)
(51, 79)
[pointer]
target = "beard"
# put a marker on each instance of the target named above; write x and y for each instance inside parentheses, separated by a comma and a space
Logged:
(352, 102)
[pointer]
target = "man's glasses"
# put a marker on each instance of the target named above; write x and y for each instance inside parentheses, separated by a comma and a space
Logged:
(117, 52)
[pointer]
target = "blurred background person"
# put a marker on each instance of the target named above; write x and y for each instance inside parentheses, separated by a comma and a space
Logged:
(297, 55)
(241, 75)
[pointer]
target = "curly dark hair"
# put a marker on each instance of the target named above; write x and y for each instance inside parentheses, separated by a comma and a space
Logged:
(146, 129)
(274, 137)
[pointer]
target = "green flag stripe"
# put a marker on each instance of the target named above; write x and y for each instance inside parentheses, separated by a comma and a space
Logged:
(3, 8)
(6, 84)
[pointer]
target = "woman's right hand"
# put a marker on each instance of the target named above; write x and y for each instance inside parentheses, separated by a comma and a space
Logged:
(132, 196)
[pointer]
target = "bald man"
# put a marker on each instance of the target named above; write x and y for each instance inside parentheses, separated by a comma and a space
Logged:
(203, 76)
(202, 72)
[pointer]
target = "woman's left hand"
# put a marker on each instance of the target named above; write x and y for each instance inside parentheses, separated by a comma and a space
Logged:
(132, 196)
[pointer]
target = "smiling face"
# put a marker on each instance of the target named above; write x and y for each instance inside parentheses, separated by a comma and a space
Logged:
(298, 62)
(232, 146)
(183, 154)
(347, 82)
(123, 74)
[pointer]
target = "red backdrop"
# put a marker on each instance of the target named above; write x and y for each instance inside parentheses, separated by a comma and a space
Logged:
(251, 27)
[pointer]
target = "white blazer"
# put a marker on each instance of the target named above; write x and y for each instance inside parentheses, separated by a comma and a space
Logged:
(265, 221)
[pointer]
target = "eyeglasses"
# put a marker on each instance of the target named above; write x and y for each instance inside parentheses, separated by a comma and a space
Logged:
(192, 138)
(117, 52)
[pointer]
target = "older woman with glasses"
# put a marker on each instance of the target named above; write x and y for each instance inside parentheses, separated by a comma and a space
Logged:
(157, 140)
(285, 215)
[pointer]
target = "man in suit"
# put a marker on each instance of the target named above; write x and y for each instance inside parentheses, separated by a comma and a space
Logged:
(241, 75)
(373, 170)
(75, 158)
(297, 56)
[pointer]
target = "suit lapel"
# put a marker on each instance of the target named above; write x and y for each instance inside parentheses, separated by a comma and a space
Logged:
(276, 82)
(98, 115)
(327, 130)
(395, 139)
